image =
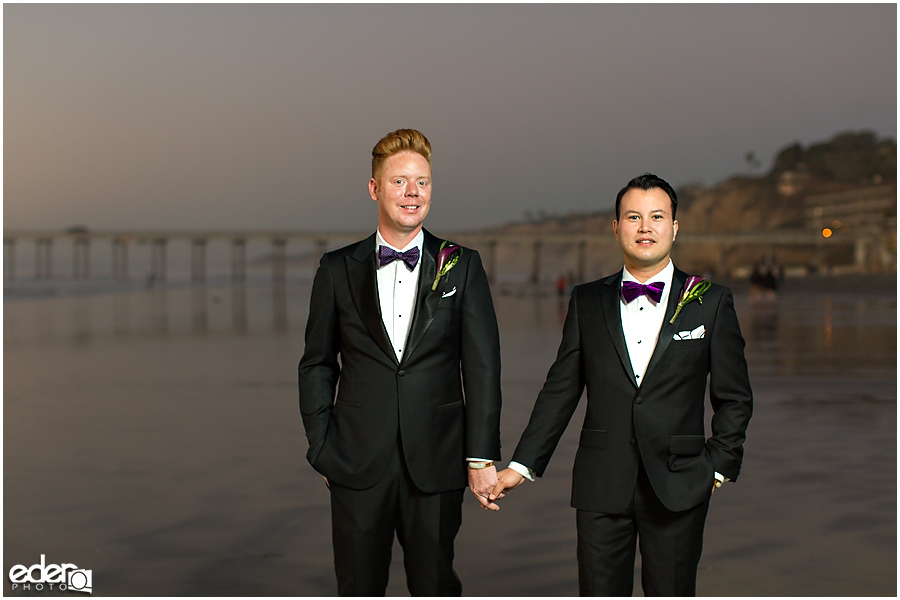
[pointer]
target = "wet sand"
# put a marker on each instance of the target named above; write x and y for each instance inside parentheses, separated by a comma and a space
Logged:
(154, 438)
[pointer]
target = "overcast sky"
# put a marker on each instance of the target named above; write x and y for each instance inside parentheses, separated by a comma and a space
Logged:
(264, 116)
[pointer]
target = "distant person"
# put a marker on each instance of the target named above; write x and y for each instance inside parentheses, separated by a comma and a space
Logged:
(756, 284)
(561, 285)
(769, 284)
(644, 467)
(407, 339)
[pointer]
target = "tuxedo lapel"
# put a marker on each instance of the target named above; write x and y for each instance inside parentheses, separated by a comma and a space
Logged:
(609, 301)
(668, 329)
(426, 300)
(364, 290)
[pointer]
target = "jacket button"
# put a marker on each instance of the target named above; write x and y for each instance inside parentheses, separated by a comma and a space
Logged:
(638, 401)
(633, 442)
(401, 373)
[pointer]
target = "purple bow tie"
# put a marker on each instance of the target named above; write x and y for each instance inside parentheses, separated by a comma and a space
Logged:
(387, 255)
(633, 289)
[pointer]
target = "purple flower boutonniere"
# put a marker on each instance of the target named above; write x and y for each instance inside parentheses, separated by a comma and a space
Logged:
(447, 257)
(694, 288)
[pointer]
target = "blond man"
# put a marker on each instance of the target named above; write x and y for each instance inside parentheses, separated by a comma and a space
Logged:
(400, 384)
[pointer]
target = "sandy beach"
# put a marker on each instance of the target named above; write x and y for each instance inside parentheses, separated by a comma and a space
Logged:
(154, 438)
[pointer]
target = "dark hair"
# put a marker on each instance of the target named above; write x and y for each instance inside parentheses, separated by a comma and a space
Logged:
(645, 182)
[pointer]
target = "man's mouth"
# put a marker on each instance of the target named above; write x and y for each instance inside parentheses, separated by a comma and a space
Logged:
(409, 206)
(645, 242)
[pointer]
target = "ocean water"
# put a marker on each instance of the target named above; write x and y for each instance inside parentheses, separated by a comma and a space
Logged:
(153, 437)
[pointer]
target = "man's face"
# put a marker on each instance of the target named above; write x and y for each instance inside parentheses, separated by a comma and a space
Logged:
(403, 192)
(645, 230)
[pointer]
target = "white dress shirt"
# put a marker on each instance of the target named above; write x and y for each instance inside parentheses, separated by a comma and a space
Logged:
(397, 287)
(642, 319)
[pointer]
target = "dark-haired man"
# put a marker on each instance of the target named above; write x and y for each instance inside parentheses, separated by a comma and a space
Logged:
(400, 385)
(644, 468)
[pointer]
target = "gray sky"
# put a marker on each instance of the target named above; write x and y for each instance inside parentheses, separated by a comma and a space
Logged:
(264, 116)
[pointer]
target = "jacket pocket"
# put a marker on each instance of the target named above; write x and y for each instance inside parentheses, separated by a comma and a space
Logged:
(687, 445)
(448, 302)
(592, 438)
(451, 405)
(687, 345)
(348, 404)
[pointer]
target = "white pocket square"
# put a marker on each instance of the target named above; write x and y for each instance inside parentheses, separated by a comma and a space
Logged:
(696, 334)
(450, 293)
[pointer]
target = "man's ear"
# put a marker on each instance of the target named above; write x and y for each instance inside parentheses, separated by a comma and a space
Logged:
(373, 187)
(616, 228)
(675, 227)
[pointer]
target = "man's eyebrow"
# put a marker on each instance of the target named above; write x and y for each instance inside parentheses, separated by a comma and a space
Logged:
(408, 176)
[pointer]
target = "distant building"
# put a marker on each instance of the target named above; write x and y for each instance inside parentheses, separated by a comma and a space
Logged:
(870, 208)
(866, 215)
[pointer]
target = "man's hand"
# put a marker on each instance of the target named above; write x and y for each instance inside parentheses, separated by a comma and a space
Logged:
(507, 480)
(481, 482)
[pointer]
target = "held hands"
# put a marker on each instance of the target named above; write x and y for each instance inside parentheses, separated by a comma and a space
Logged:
(482, 482)
(508, 479)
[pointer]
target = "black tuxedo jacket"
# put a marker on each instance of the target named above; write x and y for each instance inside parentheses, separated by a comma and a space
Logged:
(441, 401)
(660, 422)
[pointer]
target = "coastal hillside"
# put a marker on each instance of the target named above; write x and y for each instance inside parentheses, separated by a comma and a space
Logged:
(846, 170)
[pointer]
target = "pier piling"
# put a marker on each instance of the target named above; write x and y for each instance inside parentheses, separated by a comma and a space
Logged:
(238, 259)
(198, 260)
(9, 258)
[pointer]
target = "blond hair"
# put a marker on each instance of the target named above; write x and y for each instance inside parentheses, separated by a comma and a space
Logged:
(396, 142)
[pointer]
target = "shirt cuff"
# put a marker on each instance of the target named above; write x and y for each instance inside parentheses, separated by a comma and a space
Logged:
(522, 470)
(479, 460)
(721, 478)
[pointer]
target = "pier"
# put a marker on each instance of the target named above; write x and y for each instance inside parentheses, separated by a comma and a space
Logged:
(872, 251)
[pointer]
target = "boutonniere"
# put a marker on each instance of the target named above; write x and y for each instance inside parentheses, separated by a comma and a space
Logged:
(447, 257)
(694, 288)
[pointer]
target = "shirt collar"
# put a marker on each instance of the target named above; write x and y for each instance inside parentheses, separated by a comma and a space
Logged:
(665, 276)
(416, 241)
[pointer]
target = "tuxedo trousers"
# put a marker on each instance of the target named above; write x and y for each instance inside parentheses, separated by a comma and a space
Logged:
(363, 525)
(670, 543)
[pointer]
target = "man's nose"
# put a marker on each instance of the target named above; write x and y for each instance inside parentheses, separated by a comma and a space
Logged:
(412, 189)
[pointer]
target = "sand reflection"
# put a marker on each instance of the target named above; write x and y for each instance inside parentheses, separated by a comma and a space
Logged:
(154, 437)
